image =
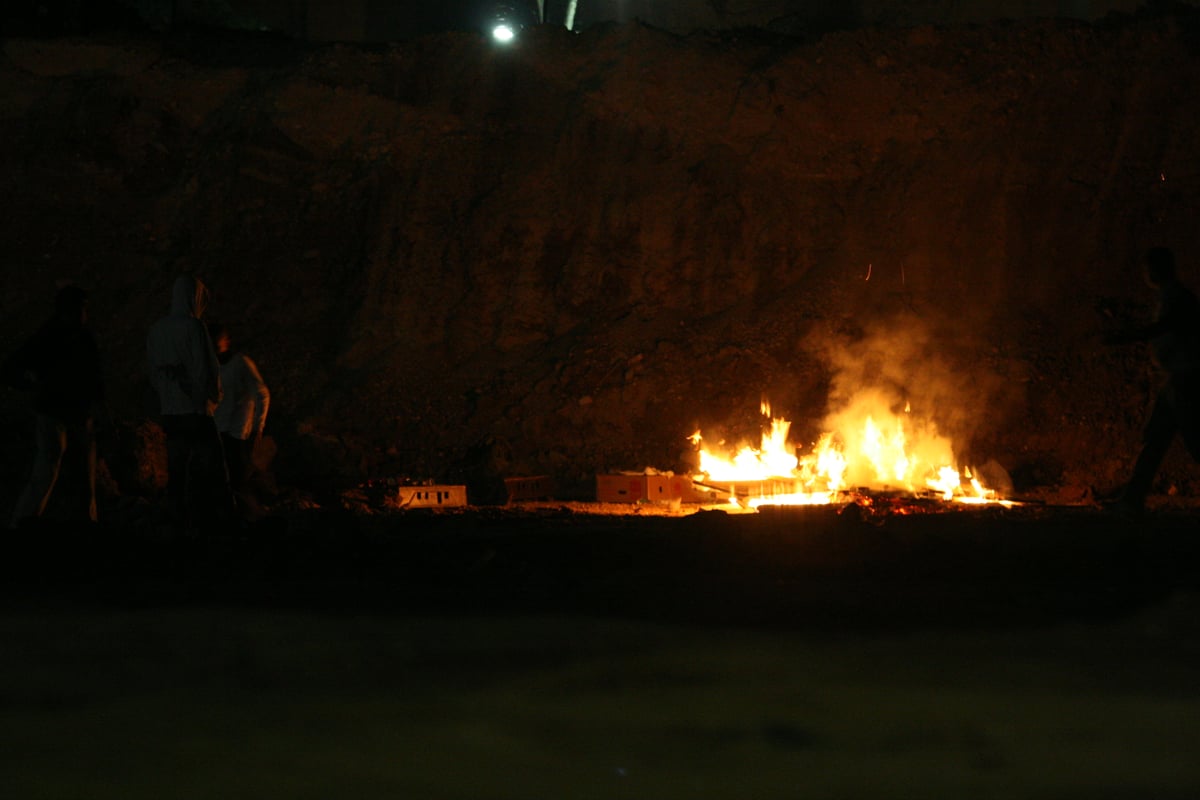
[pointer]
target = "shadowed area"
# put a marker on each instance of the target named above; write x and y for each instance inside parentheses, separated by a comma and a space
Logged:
(562, 653)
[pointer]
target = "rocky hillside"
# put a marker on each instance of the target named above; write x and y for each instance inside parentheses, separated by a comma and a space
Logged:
(567, 256)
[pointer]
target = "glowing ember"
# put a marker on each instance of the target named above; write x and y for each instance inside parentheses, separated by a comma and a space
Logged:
(870, 447)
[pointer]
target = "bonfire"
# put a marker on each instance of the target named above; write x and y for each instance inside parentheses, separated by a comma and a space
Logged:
(870, 449)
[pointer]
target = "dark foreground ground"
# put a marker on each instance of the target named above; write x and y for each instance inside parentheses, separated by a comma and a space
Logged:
(549, 652)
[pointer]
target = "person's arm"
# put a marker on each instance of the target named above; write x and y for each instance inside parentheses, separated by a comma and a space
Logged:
(261, 398)
(166, 373)
(14, 374)
(205, 367)
(1143, 333)
(1169, 318)
(100, 410)
(19, 370)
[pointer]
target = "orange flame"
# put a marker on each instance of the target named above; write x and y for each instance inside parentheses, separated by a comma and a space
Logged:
(870, 447)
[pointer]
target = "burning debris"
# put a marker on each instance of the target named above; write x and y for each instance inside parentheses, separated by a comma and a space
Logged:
(870, 451)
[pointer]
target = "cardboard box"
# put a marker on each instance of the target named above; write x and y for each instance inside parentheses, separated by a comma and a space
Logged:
(432, 496)
(644, 488)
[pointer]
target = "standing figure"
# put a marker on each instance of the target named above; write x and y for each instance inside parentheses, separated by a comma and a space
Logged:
(184, 371)
(240, 417)
(60, 364)
(1174, 338)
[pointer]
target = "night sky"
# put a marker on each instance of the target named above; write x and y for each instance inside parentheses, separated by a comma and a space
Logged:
(380, 20)
(397, 20)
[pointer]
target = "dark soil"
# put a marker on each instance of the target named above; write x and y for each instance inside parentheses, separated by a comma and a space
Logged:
(810, 569)
(1053, 650)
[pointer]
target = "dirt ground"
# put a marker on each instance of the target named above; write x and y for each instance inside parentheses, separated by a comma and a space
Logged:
(1048, 653)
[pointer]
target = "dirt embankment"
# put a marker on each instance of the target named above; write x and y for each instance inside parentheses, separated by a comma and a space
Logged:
(565, 257)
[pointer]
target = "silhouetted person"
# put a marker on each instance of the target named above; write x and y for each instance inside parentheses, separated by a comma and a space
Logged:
(1174, 337)
(61, 365)
(240, 417)
(184, 371)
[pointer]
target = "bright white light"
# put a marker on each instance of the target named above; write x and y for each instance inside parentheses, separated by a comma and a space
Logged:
(503, 33)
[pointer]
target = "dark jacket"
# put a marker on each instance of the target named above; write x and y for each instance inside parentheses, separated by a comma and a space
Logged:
(1175, 334)
(61, 365)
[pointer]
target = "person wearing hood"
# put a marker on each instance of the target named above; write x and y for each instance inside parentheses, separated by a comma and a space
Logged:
(60, 364)
(185, 374)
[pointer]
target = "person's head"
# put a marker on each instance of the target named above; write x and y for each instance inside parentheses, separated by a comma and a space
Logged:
(70, 305)
(1160, 266)
(220, 338)
(189, 296)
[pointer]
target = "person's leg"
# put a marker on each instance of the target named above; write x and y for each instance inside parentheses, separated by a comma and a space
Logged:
(212, 476)
(1160, 432)
(176, 465)
(236, 462)
(87, 441)
(239, 458)
(1185, 391)
(181, 468)
(51, 442)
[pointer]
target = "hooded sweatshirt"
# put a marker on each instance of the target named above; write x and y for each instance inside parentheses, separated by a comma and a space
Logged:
(183, 365)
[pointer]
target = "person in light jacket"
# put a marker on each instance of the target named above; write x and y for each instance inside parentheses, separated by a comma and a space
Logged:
(240, 417)
(185, 373)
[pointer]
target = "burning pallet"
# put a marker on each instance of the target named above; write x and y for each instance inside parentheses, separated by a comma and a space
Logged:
(785, 492)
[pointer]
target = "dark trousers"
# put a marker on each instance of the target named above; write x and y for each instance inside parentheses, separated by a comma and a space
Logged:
(1176, 413)
(53, 436)
(197, 482)
(238, 461)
